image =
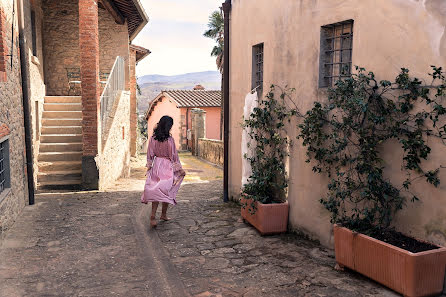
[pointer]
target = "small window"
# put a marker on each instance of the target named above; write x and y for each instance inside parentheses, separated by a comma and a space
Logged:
(336, 53)
(257, 67)
(34, 32)
(4, 165)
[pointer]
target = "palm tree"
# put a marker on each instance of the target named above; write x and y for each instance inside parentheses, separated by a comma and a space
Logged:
(216, 32)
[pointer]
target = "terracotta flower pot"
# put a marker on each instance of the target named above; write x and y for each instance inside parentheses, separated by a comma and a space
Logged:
(411, 274)
(268, 218)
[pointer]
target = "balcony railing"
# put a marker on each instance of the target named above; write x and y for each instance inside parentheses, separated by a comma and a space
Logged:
(115, 85)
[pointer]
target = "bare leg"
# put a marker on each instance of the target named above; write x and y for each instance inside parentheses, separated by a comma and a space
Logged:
(164, 212)
(152, 217)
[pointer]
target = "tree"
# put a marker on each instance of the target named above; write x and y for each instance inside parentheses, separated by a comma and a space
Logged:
(216, 32)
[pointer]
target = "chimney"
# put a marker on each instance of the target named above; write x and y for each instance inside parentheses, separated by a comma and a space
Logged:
(198, 88)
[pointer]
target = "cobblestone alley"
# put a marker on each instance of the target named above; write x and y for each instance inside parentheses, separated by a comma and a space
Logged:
(99, 244)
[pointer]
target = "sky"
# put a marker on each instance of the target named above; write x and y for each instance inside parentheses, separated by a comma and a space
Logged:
(174, 35)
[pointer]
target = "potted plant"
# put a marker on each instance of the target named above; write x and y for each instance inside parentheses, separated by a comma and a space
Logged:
(263, 197)
(344, 139)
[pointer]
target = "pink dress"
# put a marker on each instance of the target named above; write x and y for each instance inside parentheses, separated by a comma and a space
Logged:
(163, 179)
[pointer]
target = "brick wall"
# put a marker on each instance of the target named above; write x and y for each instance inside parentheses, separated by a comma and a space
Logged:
(3, 42)
(89, 67)
(61, 42)
(4, 130)
(11, 121)
(113, 41)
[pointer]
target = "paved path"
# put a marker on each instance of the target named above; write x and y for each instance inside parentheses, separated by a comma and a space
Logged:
(99, 244)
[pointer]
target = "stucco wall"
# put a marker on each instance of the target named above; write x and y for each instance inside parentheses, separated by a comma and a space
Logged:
(166, 107)
(114, 159)
(212, 122)
(61, 43)
(388, 35)
(211, 150)
(12, 200)
(213, 115)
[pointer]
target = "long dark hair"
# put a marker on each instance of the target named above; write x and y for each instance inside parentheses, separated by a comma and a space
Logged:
(162, 130)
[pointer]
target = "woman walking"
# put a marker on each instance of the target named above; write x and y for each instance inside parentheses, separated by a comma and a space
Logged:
(164, 171)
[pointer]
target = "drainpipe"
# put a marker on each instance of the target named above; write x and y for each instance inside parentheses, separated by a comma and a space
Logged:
(187, 127)
(227, 12)
(25, 96)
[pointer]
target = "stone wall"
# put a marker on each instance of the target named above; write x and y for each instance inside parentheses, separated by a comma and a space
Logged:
(211, 150)
(384, 32)
(12, 200)
(114, 159)
(36, 75)
(133, 103)
(61, 43)
(113, 41)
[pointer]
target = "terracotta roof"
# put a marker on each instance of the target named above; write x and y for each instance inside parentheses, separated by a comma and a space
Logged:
(189, 98)
(141, 52)
(195, 98)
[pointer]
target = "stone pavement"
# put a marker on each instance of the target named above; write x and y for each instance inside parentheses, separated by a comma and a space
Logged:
(99, 244)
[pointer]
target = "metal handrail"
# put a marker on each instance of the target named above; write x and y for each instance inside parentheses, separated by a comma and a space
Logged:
(114, 86)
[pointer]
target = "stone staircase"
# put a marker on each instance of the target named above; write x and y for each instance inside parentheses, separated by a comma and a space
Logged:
(60, 154)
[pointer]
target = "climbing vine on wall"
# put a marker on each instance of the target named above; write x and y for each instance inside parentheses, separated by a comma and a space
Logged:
(268, 182)
(344, 138)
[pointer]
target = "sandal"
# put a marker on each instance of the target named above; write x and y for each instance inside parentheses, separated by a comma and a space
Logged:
(153, 222)
(164, 218)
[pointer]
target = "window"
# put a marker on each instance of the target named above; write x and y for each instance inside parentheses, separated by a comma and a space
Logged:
(257, 67)
(33, 32)
(4, 165)
(336, 53)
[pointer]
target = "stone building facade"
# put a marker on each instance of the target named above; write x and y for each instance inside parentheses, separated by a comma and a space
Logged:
(14, 193)
(84, 37)
(285, 38)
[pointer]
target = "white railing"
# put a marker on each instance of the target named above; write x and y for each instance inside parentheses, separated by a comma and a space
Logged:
(113, 88)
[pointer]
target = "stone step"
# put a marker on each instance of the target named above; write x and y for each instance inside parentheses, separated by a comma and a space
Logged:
(61, 130)
(60, 138)
(61, 122)
(61, 147)
(63, 99)
(62, 114)
(73, 184)
(59, 166)
(62, 107)
(60, 156)
(56, 176)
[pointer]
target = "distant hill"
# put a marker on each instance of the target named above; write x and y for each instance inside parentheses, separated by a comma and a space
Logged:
(152, 85)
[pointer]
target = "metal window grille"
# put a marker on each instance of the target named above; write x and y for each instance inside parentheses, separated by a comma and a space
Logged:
(4, 165)
(34, 32)
(336, 53)
(257, 67)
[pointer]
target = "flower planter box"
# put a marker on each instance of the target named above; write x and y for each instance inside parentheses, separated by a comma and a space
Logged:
(268, 218)
(411, 274)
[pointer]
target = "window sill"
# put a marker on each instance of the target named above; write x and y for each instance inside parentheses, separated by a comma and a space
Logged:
(35, 60)
(4, 194)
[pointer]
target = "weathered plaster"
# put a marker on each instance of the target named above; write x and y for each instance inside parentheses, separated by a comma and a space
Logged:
(388, 35)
